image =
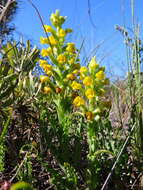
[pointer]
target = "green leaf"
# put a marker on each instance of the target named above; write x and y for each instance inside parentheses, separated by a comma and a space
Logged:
(9, 77)
(98, 152)
(21, 185)
(7, 92)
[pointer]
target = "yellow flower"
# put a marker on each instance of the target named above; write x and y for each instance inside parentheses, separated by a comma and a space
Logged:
(89, 115)
(49, 51)
(42, 62)
(82, 76)
(100, 75)
(93, 64)
(47, 90)
(83, 70)
(75, 85)
(70, 48)
(52, 40)
(61, 33)
(76, 71)
(47, 67)
(49, 73)
(78, 101)
(44, 53)
(43, 78)
(71, 61)
(44, 40)
(61, 58)
(70, 76)
(88, 81)
(48, 28)
(56, 19)
(90, 93)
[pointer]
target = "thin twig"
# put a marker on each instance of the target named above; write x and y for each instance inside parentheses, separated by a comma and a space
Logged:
(20, 166)
(39, 15)
(89, 13)
(42, 22)
(136, 180)
(117, 159)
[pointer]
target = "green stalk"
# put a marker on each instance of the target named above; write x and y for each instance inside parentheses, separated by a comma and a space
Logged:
(2, 144)
(136, 61)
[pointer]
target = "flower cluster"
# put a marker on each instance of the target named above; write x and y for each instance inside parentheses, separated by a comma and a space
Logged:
(63, 62)
(91, 90)
(64, 76)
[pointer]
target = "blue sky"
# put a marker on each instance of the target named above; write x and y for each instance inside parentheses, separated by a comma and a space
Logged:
(100, 36)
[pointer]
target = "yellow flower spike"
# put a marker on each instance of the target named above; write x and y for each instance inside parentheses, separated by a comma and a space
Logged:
(71, 76)
(44, 40)
(61, 33)
(44, 78)
(61, 58)
(78, 101)
(76, 86)
(52, 40)
(93, 64)
(100, 75)
(88, 81)
(44, 53)
(70, 48)
(90, 93)
(48, 28)
(47, 90)
(83, 70)
(89, 115)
